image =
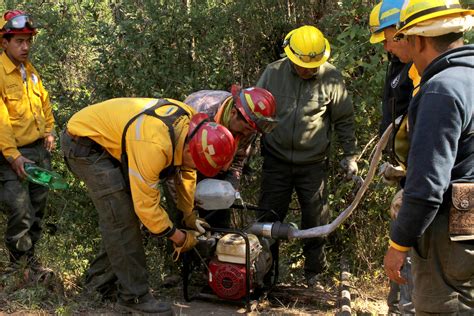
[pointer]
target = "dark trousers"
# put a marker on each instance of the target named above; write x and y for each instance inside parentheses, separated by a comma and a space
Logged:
(279, 179)
(443, 271)
(121, 259)
(25, 202)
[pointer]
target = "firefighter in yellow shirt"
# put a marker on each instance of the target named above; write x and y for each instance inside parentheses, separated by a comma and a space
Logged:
(121, 149)
(26, 136)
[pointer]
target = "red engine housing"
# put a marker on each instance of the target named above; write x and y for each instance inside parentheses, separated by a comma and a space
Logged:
(228, 280)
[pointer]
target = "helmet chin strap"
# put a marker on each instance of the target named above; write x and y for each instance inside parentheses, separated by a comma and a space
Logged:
(310, 77)
(193, 133)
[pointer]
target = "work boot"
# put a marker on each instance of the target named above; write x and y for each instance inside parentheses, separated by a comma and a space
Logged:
(173, 280)
(314, 281)
(24, 243)
(104, 284)
(108, 292)
(146, 304)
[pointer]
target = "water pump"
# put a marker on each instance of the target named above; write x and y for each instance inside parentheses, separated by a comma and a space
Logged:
(233, 264)
(228, 272)
(230, 264)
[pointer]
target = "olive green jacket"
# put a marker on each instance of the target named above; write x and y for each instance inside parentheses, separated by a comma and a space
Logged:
(308, 111)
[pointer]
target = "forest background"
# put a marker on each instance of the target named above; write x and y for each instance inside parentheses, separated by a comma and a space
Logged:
(88, 51)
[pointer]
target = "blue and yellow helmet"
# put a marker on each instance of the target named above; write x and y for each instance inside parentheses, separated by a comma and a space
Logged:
(389, 14)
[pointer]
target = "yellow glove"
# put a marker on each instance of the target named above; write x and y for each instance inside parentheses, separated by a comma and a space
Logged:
(189, 242)
(191, 220)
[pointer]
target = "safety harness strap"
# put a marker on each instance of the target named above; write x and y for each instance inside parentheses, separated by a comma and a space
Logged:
(168, 120)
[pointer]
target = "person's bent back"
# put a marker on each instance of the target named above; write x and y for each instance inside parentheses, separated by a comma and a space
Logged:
(121, 149)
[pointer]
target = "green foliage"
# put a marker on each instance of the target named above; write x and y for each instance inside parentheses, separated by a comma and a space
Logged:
(362, 238)
(89, 51)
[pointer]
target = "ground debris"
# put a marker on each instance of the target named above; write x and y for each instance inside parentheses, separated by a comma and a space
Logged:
(304, 295)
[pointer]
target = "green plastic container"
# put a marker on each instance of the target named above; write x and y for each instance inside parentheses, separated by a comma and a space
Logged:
(45, 177)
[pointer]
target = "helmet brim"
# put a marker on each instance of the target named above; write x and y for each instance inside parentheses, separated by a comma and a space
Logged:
(16, 32)
(266, 125)
(314, 64)
(432, 16)
(377, 37)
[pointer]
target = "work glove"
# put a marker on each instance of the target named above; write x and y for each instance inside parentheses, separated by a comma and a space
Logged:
(396, 204)
(189, 242)
(191, 220)
(390, 174)
(349, 164)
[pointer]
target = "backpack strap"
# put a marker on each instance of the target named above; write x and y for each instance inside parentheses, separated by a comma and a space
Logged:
(168, 120)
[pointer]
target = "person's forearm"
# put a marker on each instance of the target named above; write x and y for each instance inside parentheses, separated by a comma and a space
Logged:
(412, 220)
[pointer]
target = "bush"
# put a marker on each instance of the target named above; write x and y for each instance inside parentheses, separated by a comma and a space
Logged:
(89, 51)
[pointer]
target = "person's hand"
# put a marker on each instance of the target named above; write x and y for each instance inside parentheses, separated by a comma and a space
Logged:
(49, 142)
(390, 174)
(396, 204)
(393, 263)
(18, 165)
(349, 164)
(191, 220)
(190, 241)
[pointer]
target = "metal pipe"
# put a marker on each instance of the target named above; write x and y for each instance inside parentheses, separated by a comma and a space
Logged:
(276, 230)
(325, 230)
(279, 230)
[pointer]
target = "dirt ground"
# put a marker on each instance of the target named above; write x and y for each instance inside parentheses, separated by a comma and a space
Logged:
(201, 308)
(22, 294)
(286, 300)
(361, 305)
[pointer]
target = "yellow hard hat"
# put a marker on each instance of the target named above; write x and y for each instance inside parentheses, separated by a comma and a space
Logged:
(374, 23)
(416, 11)
(307, 47)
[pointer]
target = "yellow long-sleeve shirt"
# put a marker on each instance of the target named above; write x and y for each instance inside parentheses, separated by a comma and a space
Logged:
(415, 78)
(149, 151)
(25, 111)
(402, 134)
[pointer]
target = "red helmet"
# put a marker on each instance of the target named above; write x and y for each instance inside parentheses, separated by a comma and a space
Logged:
(211, 145)
(257, 106)
(17, 22)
